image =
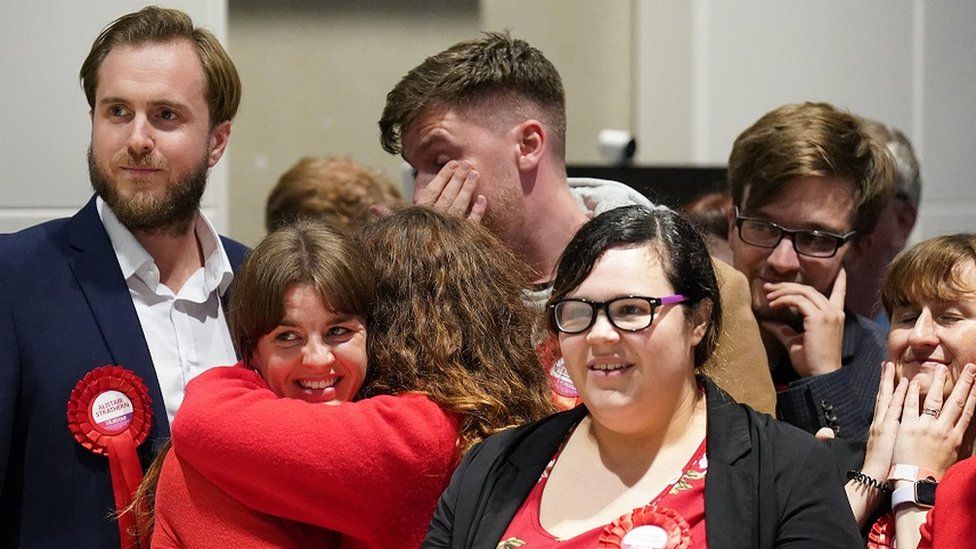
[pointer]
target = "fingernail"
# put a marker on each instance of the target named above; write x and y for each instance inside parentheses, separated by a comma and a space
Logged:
(465, 165)
(472, 175)
(452, 165)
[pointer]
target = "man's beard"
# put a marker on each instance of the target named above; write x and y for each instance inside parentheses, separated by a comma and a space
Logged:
(171, 212)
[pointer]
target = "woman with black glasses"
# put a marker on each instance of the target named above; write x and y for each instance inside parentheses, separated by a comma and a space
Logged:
(657, 455)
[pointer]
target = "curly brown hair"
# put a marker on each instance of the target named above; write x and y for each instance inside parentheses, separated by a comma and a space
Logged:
(450, 322)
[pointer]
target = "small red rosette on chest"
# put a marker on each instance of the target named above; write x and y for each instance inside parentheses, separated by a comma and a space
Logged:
(650, 527)
(110, 414)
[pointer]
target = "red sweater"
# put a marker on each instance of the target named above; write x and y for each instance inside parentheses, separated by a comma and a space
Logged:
(951, 521)
(369, 471)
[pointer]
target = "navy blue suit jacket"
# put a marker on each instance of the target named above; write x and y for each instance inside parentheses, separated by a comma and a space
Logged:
(64, 310)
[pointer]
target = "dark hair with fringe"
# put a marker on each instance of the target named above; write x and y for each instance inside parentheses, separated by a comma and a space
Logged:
(679, 245)
(450, 322)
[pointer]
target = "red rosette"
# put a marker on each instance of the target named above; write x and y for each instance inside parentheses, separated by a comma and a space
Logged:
(110, 414)
(882, 535)
(656, 526)
(94, 435)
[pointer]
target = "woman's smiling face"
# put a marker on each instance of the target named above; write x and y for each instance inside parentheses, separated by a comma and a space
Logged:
(928, 332)
(623, 373)
(313, 354)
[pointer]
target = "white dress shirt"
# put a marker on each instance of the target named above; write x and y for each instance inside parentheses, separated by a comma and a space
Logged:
(186, 332)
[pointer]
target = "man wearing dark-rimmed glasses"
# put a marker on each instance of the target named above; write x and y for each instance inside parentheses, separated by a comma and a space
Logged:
(806, 181)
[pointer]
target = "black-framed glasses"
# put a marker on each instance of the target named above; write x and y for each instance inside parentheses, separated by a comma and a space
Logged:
(766, 234)
(631, 313)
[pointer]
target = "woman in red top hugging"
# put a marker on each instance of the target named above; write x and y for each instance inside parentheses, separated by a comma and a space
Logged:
(277, 451)
(657, 455)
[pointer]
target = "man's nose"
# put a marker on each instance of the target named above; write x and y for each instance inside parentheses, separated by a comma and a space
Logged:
(783, 257)
(141, 138)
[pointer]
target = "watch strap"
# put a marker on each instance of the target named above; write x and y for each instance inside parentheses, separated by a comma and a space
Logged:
(911, 473)
(909, 494)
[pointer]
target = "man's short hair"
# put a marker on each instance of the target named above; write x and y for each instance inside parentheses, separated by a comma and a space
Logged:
(810, 139)
(908, 178)
(336, 190)
(160, 25)
(493, 68)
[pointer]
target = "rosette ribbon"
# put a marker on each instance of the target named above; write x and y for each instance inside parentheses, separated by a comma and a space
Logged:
(110, 414)
(649, 527)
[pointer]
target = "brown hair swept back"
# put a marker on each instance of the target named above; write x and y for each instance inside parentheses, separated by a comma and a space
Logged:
(161, 25)
(495, 67)
(810, 139)
(335, 189)
(930, 270)
(450, 322)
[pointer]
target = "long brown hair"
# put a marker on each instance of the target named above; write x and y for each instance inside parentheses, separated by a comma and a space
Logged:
(450, 322)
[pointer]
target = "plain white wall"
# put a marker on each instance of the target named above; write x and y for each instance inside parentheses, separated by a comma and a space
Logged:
(685, 77)
(43, 111)
(907, 63)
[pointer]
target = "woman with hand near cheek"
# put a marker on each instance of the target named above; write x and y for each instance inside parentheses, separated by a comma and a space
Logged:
(922, 423)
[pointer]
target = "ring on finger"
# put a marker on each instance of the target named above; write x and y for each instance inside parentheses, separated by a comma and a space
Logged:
(931, 412)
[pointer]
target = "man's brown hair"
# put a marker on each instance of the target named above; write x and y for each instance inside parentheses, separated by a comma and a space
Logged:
(160, 25)
(811, 139)
(494, 68)
(335, 190)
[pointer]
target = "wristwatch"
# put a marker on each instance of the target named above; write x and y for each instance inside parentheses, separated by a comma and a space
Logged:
(921, 493)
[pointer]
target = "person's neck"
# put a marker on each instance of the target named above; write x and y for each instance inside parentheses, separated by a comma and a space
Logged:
(634, 450)
(176, 252)
(552, 218)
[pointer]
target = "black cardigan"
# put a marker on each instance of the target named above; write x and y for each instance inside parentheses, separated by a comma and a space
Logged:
(768, 483)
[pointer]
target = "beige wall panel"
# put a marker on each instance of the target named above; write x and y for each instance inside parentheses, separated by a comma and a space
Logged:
(590, 43)
(315, 79)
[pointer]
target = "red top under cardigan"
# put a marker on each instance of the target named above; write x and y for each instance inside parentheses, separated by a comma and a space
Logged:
(367, 472)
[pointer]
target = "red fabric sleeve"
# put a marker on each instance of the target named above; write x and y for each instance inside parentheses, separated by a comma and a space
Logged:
(379, 463)
(951, 521)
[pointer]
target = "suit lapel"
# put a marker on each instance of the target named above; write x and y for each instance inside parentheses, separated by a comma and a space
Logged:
(93, 262)
(730, 484)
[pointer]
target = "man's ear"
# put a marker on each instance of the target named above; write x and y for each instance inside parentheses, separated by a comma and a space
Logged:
(701, 317)
(218, 142)
(532, 141)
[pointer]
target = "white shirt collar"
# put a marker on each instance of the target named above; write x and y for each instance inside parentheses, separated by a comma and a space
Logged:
(135, 260)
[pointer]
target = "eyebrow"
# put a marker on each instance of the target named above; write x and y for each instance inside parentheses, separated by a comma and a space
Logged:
(338, 319)
(803, 227)
(155, 103)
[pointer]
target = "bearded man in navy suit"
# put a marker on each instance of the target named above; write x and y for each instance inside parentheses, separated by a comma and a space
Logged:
(137, 278)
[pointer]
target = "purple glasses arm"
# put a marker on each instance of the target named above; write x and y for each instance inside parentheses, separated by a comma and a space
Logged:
(676, 298)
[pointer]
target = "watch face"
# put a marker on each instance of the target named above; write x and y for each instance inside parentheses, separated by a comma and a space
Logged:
(925, 492)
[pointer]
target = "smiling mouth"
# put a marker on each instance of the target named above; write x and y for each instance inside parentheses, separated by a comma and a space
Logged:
(318, 384)
(609, 370)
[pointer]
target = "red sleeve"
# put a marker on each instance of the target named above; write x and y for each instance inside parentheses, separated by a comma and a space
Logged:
(338, 467)
(950, 522)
